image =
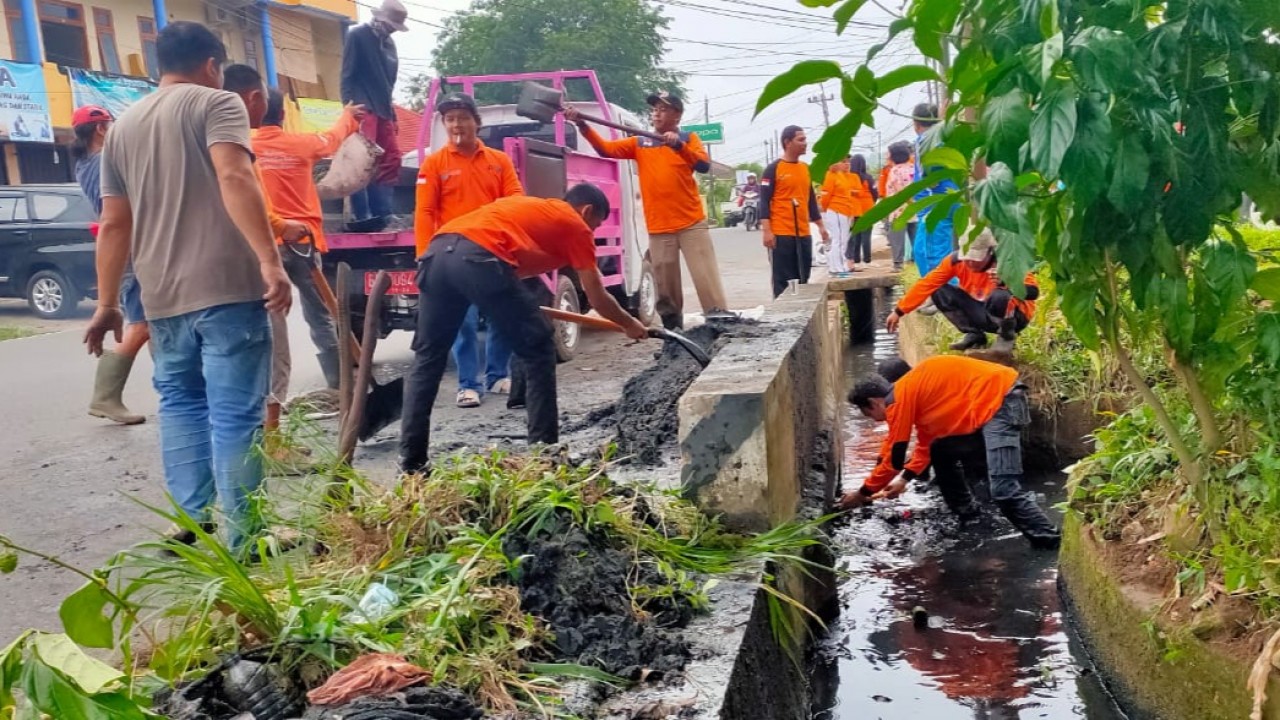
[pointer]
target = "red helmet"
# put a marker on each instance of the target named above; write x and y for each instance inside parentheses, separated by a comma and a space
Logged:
(90, 114)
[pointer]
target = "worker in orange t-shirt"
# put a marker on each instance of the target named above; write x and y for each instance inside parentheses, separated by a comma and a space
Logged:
(479, 259)
(788, 204)
(968, 416)
(454, 180)
(287, 161)
(979, 303)
(672, 206)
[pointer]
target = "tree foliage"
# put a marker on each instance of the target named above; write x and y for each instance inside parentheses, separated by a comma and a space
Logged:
(1113, 140)
(622, 40)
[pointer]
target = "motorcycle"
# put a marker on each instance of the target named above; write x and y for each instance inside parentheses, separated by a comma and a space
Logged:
(749, 201)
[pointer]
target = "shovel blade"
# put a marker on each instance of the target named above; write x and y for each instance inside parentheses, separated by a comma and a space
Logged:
(539, 102)
(690, 346)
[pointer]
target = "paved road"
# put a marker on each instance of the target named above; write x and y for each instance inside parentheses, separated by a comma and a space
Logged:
(67, 480)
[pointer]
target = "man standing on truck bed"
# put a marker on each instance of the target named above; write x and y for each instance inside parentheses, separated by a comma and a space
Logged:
(479, 259)
(180, 192)
(370, 62)
(454, 180)
(286, 161)
(672, 206)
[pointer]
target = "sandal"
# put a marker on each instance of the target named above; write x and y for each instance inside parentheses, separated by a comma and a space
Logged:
(468, 399)
(501, 386)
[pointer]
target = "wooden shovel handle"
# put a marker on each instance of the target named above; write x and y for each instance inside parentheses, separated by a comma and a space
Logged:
(598, 323)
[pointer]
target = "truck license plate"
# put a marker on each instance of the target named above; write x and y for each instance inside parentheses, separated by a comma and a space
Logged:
(403, 282)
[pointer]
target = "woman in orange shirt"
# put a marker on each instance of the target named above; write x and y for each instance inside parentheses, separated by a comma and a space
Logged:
(864, 198)
(835, 199)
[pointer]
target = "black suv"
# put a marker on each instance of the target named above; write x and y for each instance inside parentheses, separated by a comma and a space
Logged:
(47, 247)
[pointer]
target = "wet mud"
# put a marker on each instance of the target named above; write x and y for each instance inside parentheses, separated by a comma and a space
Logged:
(578, 586)
(945, 621)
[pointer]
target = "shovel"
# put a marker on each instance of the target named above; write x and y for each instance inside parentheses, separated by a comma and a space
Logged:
(541, 103)
(692, 347)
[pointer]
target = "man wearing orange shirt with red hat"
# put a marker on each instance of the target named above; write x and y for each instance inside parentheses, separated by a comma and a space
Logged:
(965, 413)
(672, 206)
(479, 259)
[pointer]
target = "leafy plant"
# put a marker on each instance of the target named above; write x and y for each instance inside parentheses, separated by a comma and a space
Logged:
(45, 673)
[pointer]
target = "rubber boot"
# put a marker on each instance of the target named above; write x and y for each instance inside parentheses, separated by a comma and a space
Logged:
(1005, 336)
(970, 341)
(108, 385)
(1031, 521)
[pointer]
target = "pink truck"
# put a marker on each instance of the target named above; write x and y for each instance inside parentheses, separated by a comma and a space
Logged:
(549, 158)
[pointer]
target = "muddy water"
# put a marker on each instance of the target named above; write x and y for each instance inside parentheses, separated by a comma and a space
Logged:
(992, 642)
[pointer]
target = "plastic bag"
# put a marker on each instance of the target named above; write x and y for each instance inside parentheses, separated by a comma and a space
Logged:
(351, 168)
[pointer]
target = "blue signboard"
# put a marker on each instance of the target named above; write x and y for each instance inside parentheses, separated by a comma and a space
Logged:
(113, 92)
(24, 104)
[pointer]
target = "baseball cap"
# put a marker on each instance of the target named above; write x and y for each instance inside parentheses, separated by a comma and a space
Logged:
(90, 114)
(457, 101)
(666, 98)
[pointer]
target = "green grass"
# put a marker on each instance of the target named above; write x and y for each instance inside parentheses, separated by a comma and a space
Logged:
(12, 333)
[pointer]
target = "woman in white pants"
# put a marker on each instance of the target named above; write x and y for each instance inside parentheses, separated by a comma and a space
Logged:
(836, 200)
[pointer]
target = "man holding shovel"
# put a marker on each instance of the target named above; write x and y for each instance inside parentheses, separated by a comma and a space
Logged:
(286, 161)
(479, 259)
(672, 206)
(787, 205)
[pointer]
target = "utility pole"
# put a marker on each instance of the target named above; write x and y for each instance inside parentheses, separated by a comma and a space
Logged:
(822, 97)
(767, 159)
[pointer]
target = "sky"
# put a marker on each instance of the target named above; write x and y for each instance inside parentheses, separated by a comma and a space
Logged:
(730, 49)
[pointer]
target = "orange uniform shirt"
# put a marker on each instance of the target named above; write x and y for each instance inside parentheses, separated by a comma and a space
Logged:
(671, 199)
(535, 235)
(452, 184)
(286, 161)
(978, 285)
(787, 199)
(273, 218)
(943, 396)
(863, 199)
(836, 193)
(882, 184)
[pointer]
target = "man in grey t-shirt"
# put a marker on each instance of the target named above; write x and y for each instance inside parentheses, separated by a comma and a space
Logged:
(180, 193)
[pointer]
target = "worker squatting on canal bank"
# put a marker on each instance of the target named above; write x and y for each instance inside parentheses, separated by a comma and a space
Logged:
(968, 416)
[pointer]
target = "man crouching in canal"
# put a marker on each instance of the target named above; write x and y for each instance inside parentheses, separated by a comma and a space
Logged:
(968, 414)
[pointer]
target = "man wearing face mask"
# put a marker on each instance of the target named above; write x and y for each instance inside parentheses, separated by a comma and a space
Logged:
(456, 179)
(370, 62)
(672, 206)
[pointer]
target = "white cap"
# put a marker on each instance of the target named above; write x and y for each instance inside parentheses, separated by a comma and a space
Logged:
(981, 247)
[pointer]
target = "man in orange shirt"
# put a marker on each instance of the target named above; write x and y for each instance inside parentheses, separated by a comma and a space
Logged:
(456, 179)
(787, 205)
(672, 206)
(966, 413)
(978, 304)
(286, 161)
(479, 259)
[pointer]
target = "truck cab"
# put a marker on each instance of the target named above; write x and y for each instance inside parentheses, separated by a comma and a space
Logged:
(549, 158)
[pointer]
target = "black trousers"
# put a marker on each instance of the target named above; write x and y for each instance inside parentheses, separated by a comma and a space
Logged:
(971, 315)
(792, 259)
(858, 248)
(454, 274)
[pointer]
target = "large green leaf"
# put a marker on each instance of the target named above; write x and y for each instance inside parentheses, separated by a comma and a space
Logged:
(845, 13)
(1053, 128)
(62, 654)
(83, 619)
(903, 76)
(895, 28)
(835, 143)
(1005, 121)
(1079, 300)
(1016, 252)
(934, 20)
(1228, 269)
(945, 157)
(55, 695)
(805, 72)
(996, 196)
(1267, 283)
(818, 3)
(1104, 59)
(11, 668)
(1131, 173)
(1084, 168)
(1047, 55)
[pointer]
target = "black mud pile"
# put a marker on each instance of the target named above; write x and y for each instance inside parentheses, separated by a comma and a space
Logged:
(647, 417)
(578, 586)
(413, 704)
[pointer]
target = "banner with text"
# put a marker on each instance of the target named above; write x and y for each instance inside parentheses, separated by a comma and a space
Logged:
(318, 115)
(24, 104)
(116, 93)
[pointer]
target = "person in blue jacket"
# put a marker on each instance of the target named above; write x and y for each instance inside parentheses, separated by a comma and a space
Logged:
(930, 246)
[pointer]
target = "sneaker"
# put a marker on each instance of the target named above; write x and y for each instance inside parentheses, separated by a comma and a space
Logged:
(182, 536)
(970, 341)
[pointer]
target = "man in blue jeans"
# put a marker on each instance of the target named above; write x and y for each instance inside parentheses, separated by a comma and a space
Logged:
(180, 194)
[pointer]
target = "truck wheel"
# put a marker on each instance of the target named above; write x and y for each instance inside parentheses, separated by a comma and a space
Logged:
(647, 296)
(567, 333)
(51, 295)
